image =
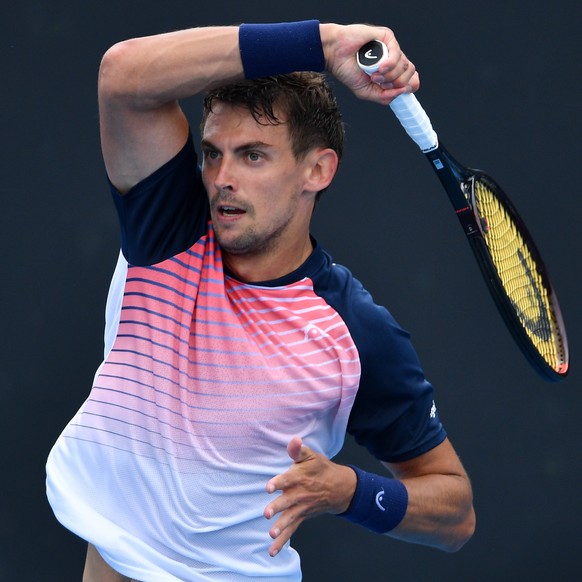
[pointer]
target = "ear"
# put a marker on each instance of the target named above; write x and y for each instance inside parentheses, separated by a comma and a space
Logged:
(321, 168)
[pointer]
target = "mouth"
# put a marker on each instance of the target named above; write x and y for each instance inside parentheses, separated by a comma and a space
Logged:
(225, 210)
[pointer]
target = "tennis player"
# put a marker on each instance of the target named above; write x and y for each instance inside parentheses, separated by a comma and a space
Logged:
(237, 353)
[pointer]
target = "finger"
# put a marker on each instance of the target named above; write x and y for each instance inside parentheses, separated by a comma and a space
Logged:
(280, 482)
(408, 76)
(276, 506)
(281, 536)
(389, 90)
(398, 74)
(384, 95)
(395, 53)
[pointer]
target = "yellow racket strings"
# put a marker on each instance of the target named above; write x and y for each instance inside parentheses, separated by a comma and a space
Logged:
(520, 277)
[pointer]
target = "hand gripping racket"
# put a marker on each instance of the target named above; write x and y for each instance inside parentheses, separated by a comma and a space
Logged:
(505, 251)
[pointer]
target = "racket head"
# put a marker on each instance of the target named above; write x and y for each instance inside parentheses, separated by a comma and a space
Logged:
(516, 275)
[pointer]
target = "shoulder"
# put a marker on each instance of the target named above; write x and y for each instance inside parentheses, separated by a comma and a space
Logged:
(166, 212)
(394, 414)
(365, 318)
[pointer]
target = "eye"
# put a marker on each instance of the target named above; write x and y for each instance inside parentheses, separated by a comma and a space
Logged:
(254, 156)
(211, 154)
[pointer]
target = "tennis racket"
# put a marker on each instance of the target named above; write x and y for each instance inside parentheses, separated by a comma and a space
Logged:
(505, 251)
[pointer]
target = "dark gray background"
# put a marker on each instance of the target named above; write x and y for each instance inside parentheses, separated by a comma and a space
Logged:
(501, 80)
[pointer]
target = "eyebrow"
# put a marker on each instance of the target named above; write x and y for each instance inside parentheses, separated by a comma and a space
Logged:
(207, 144)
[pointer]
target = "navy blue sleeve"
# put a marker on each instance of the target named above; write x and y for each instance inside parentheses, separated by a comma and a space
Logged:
(166, 213)
(394, 415)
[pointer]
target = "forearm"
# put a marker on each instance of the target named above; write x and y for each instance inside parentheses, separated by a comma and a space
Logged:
(151, 71)
(440, 512)
(429, 501)
(148, 72)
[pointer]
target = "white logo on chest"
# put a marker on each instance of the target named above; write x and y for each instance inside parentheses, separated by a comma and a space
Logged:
(311, 332)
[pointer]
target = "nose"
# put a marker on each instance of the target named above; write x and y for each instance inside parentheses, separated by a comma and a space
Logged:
(224, 178)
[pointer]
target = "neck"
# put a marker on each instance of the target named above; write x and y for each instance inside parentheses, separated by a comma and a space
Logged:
(267, 266)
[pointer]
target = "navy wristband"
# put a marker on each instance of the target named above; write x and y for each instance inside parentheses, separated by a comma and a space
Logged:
(379, 503)
(275, 49)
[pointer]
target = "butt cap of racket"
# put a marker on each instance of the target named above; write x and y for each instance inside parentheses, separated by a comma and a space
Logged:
(370, 55)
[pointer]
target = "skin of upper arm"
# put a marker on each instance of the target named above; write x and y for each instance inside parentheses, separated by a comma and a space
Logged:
(142, 81)
(442, 460)
(128, 132)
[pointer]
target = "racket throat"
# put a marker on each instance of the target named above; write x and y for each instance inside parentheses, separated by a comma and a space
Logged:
(459, 189)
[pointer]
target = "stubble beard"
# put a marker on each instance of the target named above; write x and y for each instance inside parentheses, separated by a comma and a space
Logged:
(251, 240)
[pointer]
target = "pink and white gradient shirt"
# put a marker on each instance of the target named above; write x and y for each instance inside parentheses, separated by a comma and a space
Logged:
(205, 380)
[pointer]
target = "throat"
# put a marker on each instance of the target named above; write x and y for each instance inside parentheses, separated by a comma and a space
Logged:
(256, 267)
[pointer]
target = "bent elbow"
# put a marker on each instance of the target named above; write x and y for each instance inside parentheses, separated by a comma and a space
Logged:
(462, 534)
(117, 72)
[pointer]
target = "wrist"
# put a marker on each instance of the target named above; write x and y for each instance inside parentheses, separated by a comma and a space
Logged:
(276, 49)
(379, 503)
(328, 33)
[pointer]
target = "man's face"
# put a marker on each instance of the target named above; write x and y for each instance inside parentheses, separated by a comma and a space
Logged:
(254, 183)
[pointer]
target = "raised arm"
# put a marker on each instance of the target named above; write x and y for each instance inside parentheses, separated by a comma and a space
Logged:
(141, 82)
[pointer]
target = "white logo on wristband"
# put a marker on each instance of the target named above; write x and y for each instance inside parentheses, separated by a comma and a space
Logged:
(379, 498)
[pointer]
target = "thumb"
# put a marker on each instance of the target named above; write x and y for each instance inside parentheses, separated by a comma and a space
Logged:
(297, 450)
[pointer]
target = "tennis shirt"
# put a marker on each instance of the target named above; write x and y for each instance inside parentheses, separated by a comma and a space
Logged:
(205, 380)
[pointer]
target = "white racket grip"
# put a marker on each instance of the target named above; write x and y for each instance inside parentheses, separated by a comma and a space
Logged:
(415, 121)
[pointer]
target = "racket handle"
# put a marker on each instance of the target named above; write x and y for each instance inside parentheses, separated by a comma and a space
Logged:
(415, 121)
(406, 107)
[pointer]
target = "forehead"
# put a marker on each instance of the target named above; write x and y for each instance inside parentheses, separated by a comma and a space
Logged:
(231, 120)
